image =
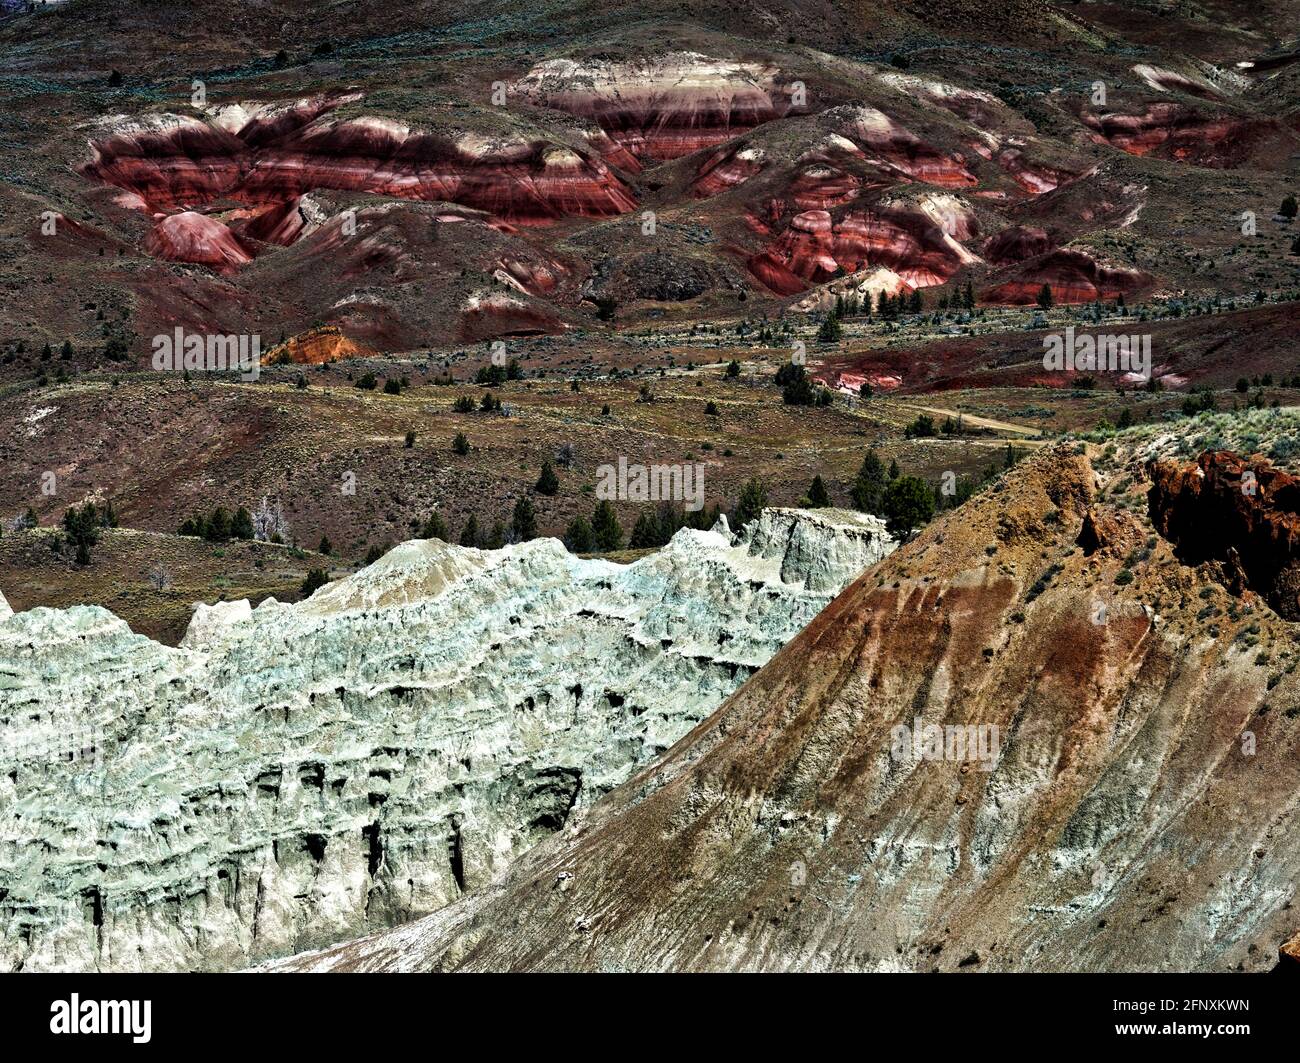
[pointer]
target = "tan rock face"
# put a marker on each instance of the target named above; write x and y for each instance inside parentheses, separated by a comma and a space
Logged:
(1134, 809)
(316, 347)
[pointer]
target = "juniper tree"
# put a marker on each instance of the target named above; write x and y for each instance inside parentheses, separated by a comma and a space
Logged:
(547, 483)
(606, 531)
(524, 522)
(869, 485)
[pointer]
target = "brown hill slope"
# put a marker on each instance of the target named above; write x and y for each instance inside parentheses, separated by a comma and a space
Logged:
(1140, 811)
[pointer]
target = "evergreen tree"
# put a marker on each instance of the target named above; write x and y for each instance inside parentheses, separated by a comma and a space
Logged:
(219, 525)
(325, 547)
(460, 444)
(605, 528)
(469, 533)
(316, 578)
(909, 503)
(524, 521)
(498, 537)
(733, 369)
(869, 487)
(670, 519)
(830, 330)
(81, 526)
(645, 533)
(241, 526)
(893, 469)
(1045, 300)
(818, 496)
(435, 528)
(753, 499)
(578, 538)
(547, 483)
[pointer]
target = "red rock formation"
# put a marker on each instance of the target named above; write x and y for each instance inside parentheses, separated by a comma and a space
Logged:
(726, 168)
(1177, 131)
(1172, 81)
(527, 181)
(1034, 177)
(902, 238)
(194, 237)
(1074, 277)
(980, 109)
(1016, 244)
(280, 223)
(531, 277)
(661, 108)
(174, 163)
(317, 347)
(897, 150)
(487, 316)
(1241, 513)
(169, 162)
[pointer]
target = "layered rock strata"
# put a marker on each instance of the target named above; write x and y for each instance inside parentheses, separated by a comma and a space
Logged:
(296, 774)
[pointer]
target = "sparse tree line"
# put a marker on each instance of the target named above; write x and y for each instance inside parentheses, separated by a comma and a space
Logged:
(82, 526)
(905, 502)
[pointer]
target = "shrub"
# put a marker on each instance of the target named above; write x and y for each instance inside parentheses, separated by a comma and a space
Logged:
(921, 428)
(316, 578)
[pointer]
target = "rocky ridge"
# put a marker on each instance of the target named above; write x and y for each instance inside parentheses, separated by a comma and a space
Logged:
(295, 774)
(1134, 807)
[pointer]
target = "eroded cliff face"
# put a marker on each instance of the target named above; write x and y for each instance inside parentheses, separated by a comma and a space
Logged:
(295, 774)
(1135, 808)
(1241, 514)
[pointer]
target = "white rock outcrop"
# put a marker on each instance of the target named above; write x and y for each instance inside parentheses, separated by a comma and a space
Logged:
(293, 775)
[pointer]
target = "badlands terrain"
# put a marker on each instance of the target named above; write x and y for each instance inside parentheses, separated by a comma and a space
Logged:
(348, 657)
